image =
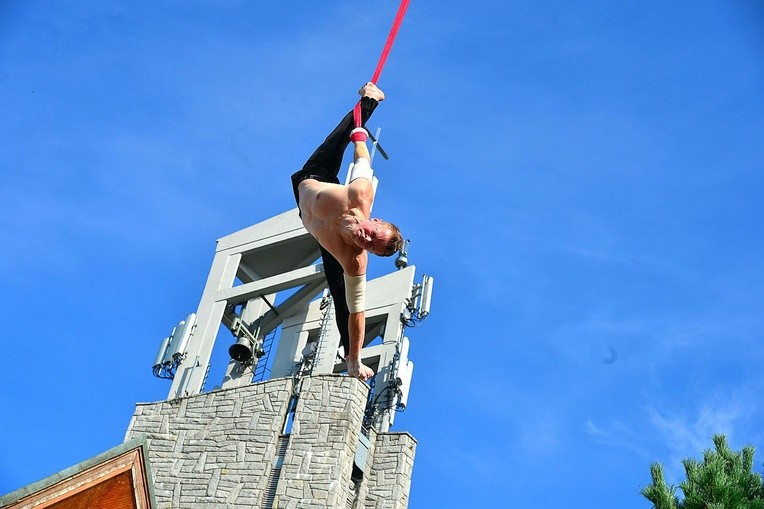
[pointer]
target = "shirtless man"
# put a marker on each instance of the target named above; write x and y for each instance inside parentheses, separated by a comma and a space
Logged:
(338, 217)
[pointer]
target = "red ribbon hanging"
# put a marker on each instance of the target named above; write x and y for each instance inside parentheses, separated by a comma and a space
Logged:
(385, 52)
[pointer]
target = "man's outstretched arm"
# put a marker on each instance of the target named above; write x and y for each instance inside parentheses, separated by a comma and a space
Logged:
(356, 368)
(352, 325)
(355, 296)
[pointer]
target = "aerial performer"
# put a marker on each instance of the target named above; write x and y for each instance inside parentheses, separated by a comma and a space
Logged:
(338, 217)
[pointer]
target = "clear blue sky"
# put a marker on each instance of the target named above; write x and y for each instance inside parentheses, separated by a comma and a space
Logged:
(579, 176)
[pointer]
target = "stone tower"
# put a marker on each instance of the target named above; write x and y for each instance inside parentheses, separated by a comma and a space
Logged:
(285, 429)
(231, 448)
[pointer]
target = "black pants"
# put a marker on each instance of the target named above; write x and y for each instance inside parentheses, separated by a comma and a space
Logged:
(324, 166)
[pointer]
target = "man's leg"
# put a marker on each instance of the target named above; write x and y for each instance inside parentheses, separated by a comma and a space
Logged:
(335, 277)
(327, 158)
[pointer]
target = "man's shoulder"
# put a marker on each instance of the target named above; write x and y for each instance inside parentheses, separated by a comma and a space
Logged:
(361, 194)
(361, 184)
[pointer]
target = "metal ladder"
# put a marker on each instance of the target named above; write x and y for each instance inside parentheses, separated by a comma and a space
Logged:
(326, 320)
(262, 370)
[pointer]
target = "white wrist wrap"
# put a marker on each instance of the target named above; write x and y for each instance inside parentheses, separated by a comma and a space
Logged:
(361, 169)
(355, 293)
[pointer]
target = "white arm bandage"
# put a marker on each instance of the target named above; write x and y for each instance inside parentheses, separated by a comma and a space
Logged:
(355, 293)
(361, 170)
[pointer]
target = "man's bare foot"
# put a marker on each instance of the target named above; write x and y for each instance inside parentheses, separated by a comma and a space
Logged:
(359, 370)
(371, 90)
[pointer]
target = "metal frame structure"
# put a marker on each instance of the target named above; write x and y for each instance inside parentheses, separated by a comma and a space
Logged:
(266, 276)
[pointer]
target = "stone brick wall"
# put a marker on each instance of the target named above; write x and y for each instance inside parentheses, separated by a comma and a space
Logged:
(390, 476)
(214, 449)
(220, 449)
(319, 459)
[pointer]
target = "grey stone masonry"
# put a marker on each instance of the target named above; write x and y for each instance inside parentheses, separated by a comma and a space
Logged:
(322, 446)
(214, 449)
(390, 476)
(221, 449)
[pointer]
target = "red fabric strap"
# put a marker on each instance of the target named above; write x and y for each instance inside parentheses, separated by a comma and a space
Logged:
(358, 134)
(390, 39)
(383, 58)
(357, 114)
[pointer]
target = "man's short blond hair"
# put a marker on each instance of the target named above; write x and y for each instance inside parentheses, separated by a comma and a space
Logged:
(394, 242)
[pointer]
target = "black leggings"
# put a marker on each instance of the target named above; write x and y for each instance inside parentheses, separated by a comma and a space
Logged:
(324, 166)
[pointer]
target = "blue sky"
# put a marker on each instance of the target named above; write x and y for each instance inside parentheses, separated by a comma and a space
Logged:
(580, 177)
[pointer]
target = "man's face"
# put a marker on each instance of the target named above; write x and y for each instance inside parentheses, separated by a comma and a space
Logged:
(372, 235)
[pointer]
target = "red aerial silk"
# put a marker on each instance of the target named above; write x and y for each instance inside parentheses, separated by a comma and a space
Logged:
(385, 52)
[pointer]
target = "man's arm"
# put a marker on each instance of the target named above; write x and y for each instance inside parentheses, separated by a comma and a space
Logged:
(355, 297)
(356, 368)
(360, 150)
(361, 189)
(356, 285)
(352, 326)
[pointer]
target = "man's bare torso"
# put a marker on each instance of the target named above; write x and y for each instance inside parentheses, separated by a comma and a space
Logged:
(328, 210)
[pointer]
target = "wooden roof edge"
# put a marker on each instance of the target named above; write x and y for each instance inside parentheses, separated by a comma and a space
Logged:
(125, 448)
